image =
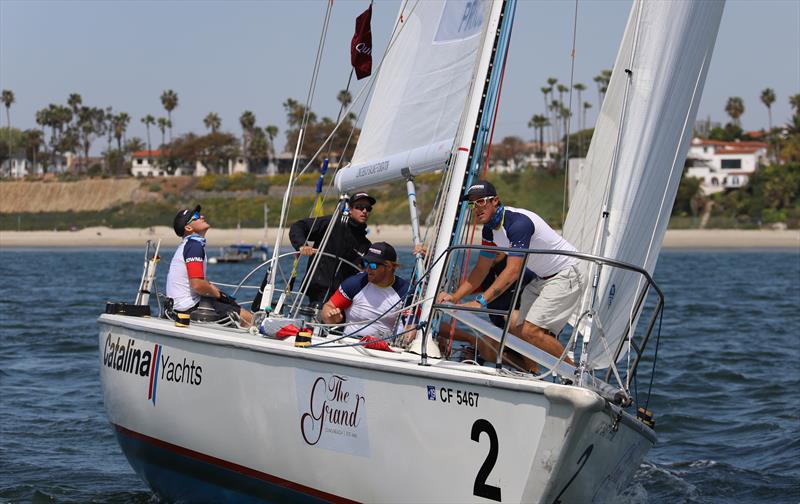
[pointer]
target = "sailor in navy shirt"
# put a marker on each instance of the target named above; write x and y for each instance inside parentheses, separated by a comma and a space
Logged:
(548, 301)
(370, 302)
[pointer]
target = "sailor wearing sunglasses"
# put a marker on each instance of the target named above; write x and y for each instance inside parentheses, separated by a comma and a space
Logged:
(187, 284)
(549, 299)
(347, 240)
(375, 293)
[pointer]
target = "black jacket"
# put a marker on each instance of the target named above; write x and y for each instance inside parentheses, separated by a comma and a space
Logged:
(348, 241)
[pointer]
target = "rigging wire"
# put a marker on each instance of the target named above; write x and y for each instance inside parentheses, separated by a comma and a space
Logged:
(569, 117)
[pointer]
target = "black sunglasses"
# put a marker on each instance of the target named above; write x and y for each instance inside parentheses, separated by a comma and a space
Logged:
(368, 208)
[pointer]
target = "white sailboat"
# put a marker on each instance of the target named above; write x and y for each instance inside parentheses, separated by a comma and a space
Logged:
(211, 413)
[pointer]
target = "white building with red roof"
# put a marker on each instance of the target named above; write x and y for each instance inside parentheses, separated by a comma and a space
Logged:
(145, 164)
(724, 165)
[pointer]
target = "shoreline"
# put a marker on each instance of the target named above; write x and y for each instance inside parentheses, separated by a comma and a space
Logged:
(398, 235)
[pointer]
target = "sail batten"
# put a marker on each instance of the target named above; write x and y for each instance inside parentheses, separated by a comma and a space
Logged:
(667, 64)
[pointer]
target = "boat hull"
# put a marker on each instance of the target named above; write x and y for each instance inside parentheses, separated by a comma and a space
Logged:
(209, 414)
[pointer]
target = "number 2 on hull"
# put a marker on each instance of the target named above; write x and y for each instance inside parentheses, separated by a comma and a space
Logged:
(481, 489)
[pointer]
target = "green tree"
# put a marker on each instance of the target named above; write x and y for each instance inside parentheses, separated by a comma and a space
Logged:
(735, 108)
(546, 90)
(169, 100)
(768, 98)
(271, 132)
(580, 88)
(344, 98)
(8, 100)
(586, 107)
(212, 122)
(148, 121)
(92, 124)
(248, 123)
(163, 123)
(134, 144)
(539, 122)
(75, 101)
(121, 121)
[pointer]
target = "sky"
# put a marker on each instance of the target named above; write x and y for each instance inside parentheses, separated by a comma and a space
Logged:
(236, 55)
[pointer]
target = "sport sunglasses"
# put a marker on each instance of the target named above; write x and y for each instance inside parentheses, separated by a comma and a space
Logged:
(480, 203)
(371, 265)
(195, 216)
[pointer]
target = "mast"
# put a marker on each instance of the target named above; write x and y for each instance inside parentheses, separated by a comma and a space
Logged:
(464, 149)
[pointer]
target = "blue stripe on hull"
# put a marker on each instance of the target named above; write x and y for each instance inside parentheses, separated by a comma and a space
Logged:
(185, 478)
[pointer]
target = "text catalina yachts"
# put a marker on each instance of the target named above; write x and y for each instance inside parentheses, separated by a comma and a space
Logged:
(130, 359)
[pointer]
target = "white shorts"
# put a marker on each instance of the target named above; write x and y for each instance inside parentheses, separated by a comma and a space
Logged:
(548, 303)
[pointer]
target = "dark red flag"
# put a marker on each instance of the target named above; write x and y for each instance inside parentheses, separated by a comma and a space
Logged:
(361, 46)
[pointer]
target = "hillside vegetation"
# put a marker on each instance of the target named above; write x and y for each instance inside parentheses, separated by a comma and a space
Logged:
(230, 201)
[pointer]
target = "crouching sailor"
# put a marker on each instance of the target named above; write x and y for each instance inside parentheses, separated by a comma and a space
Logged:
(371, 301)
(187, 284)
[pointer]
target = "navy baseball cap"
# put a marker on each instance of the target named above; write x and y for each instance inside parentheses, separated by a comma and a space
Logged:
(380, 252)
(182, 218)
(362, 195)
(480, 189)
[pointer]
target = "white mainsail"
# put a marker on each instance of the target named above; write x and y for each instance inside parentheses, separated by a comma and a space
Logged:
(420, 92)
(636, 157)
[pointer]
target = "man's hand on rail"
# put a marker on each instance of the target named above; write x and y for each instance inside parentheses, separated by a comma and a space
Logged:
(306, 250)
(445, 297)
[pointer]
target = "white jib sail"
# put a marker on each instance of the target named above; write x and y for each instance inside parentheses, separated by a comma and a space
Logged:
(420, 92)
(636, 157)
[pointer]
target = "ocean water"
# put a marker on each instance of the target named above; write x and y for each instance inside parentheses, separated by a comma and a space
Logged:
(726, 396)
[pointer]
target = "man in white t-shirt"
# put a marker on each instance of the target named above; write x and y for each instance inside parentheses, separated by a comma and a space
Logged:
(186, 281)
(549, 299)
(375, 296)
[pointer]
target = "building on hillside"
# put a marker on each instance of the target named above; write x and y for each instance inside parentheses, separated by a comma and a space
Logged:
(507, 163)
(284, 161)
(724, 165)
(18, 166)
(79, 164)
(145, 164)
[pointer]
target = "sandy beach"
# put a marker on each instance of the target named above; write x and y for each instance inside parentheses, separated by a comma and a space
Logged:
(397, 235)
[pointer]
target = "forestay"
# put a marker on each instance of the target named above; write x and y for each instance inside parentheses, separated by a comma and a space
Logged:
(637, 154)
(420, 92)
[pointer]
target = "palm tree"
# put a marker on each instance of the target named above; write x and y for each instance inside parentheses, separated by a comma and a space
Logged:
(555, 109)
(212, 122)
(794, 101)
(108, 118)
(163, 123)
(121, 121)
(561, 90)
(248, 122)
(586, 106)
(539, 122)
(735, 108)
(345, 98)
(768, 98)
(169, 99)
(602, 82)
(148, 121)
(75, 101)
(8, 99)
(580, 88)
(271, 132)
(33, 140)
